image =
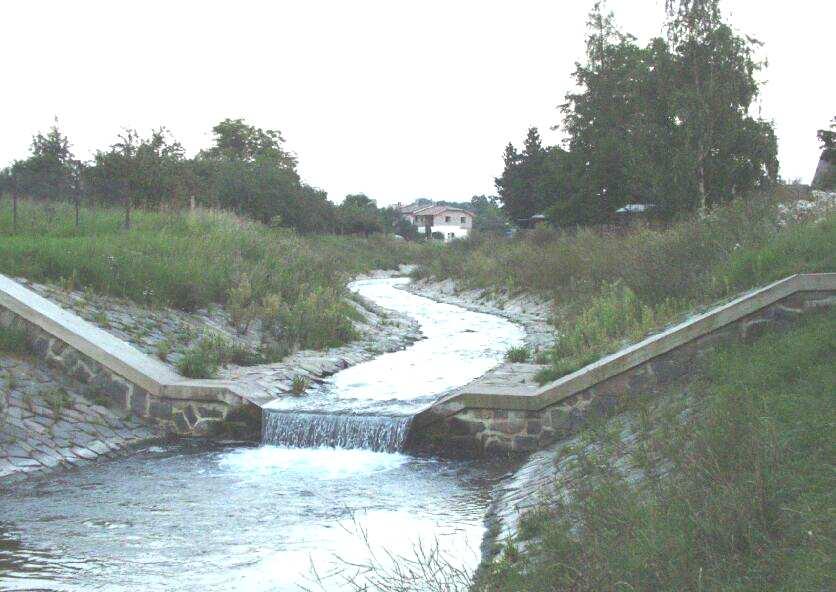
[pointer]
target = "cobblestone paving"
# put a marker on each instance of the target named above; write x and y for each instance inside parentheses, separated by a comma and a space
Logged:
(160, 332)
(47, 422)
(149, 329)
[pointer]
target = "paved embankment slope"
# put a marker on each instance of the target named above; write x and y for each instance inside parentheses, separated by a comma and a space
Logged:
(49, 421)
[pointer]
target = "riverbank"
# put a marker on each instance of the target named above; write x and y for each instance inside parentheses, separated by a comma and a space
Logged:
(165, 512)
(170, 334)
(50, 422)
(534, 313)
(722, 483)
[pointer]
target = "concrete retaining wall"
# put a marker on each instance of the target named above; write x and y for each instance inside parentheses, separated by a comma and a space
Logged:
(130, 379)
(484, 420)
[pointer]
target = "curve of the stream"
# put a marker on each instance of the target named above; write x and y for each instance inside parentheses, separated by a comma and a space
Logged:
(230, 517)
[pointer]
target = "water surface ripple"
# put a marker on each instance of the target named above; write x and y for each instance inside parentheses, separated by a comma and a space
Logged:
(212, 517)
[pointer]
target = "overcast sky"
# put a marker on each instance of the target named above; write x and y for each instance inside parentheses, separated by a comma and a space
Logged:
(394, 99)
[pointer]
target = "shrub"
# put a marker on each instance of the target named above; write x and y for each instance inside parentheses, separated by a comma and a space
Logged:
(198, 363)
(191, 260)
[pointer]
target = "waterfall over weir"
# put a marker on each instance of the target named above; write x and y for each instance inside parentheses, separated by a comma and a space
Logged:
(311, 430)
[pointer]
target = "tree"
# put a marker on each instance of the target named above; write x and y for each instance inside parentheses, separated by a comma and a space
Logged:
(51, 171)
(487, 215)
(235, 140)
(828, 141)
(527, 185)
(716, 85)
(666, 124)
(137, 171)
(358, 214)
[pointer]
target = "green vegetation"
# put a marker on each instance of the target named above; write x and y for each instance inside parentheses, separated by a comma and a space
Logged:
(827, 179)
(57, 400)
(14, 341)
(666, 123)
(190, 260)
(247, 171)
(738, 492)
(213, 351)
(518, 355)
(299, 385)
(611, 289)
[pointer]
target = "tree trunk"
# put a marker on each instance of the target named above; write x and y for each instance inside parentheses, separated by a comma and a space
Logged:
(701, 188)
(14, 210)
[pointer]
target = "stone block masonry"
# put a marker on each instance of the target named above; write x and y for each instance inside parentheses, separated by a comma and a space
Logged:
(50, 421)
(483, 418)
(131, 380)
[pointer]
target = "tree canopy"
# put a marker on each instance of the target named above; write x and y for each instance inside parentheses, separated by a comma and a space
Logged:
(666, 123)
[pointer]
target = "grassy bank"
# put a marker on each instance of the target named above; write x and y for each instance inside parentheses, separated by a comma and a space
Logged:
(612, 288)
(737, 494)
(191, 260)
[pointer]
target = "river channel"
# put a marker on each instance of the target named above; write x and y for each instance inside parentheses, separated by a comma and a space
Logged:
(328, 488)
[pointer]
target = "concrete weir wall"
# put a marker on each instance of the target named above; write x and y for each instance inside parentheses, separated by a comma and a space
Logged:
(130, 379)
(482, 420)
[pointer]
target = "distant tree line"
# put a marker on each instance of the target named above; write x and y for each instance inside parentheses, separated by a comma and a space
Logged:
(667, 123)
(247, 170)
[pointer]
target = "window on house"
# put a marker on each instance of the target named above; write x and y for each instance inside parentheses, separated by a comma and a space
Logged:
(446, 218)
(462, 219)
(451, 236)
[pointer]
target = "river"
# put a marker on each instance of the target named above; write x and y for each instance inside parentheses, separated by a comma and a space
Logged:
(328, 487)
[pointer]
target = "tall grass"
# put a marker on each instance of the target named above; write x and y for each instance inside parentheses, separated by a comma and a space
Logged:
(613, 288)
(747, 503)
(188, 260)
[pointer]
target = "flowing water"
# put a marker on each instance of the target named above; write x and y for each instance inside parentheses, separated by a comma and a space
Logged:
(328, 488)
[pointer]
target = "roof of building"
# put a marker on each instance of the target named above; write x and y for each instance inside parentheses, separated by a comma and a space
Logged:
(410, 208)
(430, 209)
(635, 208)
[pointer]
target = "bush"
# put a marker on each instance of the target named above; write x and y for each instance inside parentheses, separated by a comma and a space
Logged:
(199, 362)
(299, 385)
(614, 288)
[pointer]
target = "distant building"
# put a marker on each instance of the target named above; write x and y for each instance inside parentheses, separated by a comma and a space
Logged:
(532, 221)
(450, 222)
(635, 213)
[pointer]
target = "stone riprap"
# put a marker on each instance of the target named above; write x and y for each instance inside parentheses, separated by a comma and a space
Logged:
(549, 477)
(164, 333)
(130, 379)
(49, 421)
(483, 418)
(151, 389)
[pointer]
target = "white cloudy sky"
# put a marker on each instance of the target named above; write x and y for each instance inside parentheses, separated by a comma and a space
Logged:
(392, 98)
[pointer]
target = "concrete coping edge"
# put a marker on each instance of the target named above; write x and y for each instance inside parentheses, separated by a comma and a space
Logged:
(637, 353)
(113, 353)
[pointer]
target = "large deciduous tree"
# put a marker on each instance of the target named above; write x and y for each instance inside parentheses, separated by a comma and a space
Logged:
(667, 124)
